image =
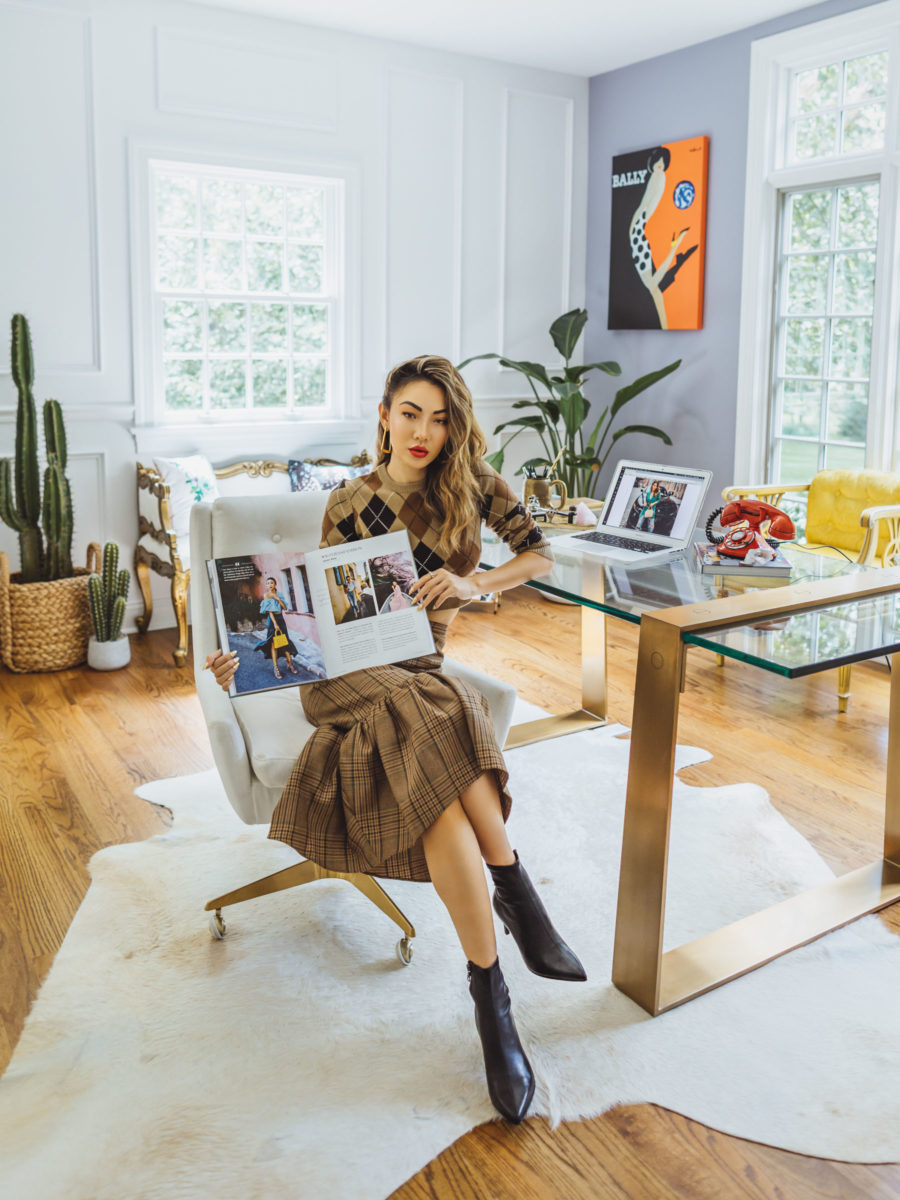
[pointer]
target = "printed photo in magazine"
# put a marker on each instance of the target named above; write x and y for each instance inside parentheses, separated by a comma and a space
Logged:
(294, 617)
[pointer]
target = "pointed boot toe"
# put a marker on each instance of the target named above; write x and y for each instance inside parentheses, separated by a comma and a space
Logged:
(510, 1078)
(522, 912)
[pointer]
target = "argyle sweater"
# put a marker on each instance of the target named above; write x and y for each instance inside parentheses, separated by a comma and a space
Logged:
(372, 504)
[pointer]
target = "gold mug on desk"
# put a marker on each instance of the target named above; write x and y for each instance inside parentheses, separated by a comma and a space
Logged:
(541, 488)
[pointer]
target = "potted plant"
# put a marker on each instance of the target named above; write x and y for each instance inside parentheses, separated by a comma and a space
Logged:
(108, 647)
(44, 618)
(562, 412)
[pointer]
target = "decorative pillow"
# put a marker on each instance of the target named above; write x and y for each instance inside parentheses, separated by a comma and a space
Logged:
(307, 477)
(191, 481)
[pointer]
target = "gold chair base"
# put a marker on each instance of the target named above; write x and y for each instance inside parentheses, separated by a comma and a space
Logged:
(309, 872)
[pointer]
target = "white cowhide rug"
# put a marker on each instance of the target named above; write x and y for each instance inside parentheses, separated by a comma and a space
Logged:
(298, 1057)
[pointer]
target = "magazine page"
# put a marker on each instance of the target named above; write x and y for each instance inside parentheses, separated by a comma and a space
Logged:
(265, 614)
(360, 592)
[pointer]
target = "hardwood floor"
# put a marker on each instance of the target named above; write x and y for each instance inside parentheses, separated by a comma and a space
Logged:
(74, 745)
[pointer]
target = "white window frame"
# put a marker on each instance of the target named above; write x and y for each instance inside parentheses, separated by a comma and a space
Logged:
(773, 61)
(154, 430)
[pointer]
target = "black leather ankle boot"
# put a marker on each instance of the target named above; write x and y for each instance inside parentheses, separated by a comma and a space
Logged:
(510, 1079)
(520, 909)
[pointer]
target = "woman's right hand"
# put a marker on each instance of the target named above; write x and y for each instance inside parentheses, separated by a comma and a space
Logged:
(223, 667)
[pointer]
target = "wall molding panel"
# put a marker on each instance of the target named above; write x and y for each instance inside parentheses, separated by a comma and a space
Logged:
(204, 75)
(536, 219)
(48, 51)
(423, 215)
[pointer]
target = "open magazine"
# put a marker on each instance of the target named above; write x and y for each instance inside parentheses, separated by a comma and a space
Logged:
(316, 614)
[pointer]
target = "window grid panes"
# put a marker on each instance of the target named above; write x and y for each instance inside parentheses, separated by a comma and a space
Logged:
(826, 290)
(839, 108)
(243, 291)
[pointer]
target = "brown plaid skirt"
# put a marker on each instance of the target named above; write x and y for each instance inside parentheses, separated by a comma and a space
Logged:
(393, 747)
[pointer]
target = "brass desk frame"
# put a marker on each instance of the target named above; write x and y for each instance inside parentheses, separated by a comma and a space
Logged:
(658, 981)
(593, 667)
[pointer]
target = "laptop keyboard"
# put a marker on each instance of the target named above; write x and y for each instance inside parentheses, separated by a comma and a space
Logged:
(609, 539)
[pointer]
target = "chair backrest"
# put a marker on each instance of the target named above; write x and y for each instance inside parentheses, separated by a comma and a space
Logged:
(246, 525)
(836, 499)
(230, 526)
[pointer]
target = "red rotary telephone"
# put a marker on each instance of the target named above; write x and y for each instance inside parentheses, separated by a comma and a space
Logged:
(748, 517)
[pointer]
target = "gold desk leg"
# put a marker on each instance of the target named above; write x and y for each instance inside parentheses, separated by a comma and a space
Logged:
(660, 981)
(593, 674)
(640, 915)
(308, 872)
(843, 686)
(892, 790)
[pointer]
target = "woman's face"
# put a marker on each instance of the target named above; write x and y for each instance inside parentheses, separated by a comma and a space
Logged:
(271, 583)
(418, 423)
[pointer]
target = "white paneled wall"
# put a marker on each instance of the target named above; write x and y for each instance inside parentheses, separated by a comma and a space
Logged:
(49, 196)
(466, 209)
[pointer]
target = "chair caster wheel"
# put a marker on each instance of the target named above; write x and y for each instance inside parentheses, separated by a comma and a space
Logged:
(404, 951)
(217, 926)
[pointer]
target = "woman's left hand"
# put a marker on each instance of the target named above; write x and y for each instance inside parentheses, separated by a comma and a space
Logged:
(435, 587)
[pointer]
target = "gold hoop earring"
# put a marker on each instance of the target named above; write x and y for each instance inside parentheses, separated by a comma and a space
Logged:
(385, 449)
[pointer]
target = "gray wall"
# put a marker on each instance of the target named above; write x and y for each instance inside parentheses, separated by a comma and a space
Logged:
(703, 89)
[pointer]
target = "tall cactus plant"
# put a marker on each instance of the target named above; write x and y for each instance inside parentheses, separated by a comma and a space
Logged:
(26, 512)
(107, 593)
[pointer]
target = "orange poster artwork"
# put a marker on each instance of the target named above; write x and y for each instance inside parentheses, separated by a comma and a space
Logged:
(658, 236)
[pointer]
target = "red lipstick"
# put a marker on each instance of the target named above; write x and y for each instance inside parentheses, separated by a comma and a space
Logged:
(418, 451)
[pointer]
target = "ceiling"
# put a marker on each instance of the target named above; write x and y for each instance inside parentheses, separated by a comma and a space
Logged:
(579, 37)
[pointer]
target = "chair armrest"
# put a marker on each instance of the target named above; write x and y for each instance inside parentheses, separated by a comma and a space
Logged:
(225, 738)
(870, 519)
(762, 491)
(501, 697)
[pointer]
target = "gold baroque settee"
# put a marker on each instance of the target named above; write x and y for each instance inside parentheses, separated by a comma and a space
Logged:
(162, 549)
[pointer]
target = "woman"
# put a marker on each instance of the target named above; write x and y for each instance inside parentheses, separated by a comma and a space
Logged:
(273, 605)
(648, 511)
(427, 797)
(397, 598)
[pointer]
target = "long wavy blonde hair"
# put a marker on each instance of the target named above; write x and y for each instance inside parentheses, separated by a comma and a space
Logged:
(451, 489)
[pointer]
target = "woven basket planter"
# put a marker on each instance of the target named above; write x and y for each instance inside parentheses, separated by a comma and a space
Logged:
(45, 626)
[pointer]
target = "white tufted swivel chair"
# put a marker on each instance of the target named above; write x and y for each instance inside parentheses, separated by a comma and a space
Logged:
(256, 739)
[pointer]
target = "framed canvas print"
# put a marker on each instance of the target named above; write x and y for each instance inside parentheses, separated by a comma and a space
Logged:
(657, 236)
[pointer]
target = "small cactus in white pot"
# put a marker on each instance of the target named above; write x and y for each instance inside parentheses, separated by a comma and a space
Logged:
(109, 648)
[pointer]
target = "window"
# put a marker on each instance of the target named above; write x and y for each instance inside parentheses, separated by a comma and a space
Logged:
(823, 332)
(245, 293)
(838, 108)
(818, 375)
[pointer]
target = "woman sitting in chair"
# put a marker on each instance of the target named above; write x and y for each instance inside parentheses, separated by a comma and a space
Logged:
(427, 797)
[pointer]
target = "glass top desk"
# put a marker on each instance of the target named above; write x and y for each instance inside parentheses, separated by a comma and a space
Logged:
(831, 613)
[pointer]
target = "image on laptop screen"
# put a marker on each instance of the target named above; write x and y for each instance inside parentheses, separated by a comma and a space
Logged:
(655, 501)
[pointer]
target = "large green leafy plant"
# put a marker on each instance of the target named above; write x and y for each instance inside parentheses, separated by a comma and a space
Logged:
(562, 412)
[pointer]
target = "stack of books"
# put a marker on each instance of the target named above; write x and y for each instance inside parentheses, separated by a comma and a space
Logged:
(711, 562)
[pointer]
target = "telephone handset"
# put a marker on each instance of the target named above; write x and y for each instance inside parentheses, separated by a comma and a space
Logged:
(742, 521)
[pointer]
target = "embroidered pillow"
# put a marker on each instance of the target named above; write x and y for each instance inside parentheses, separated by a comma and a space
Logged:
(191, 481)
(307, 477)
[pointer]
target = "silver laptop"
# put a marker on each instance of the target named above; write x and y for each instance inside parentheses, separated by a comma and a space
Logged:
(650, 513)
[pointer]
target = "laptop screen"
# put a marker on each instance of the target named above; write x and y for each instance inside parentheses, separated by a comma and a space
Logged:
(664, 502)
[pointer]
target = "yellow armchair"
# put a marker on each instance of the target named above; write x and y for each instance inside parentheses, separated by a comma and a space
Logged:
(848, 513)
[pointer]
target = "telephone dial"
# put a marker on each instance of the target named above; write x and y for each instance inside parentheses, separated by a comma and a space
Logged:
(743, 521)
